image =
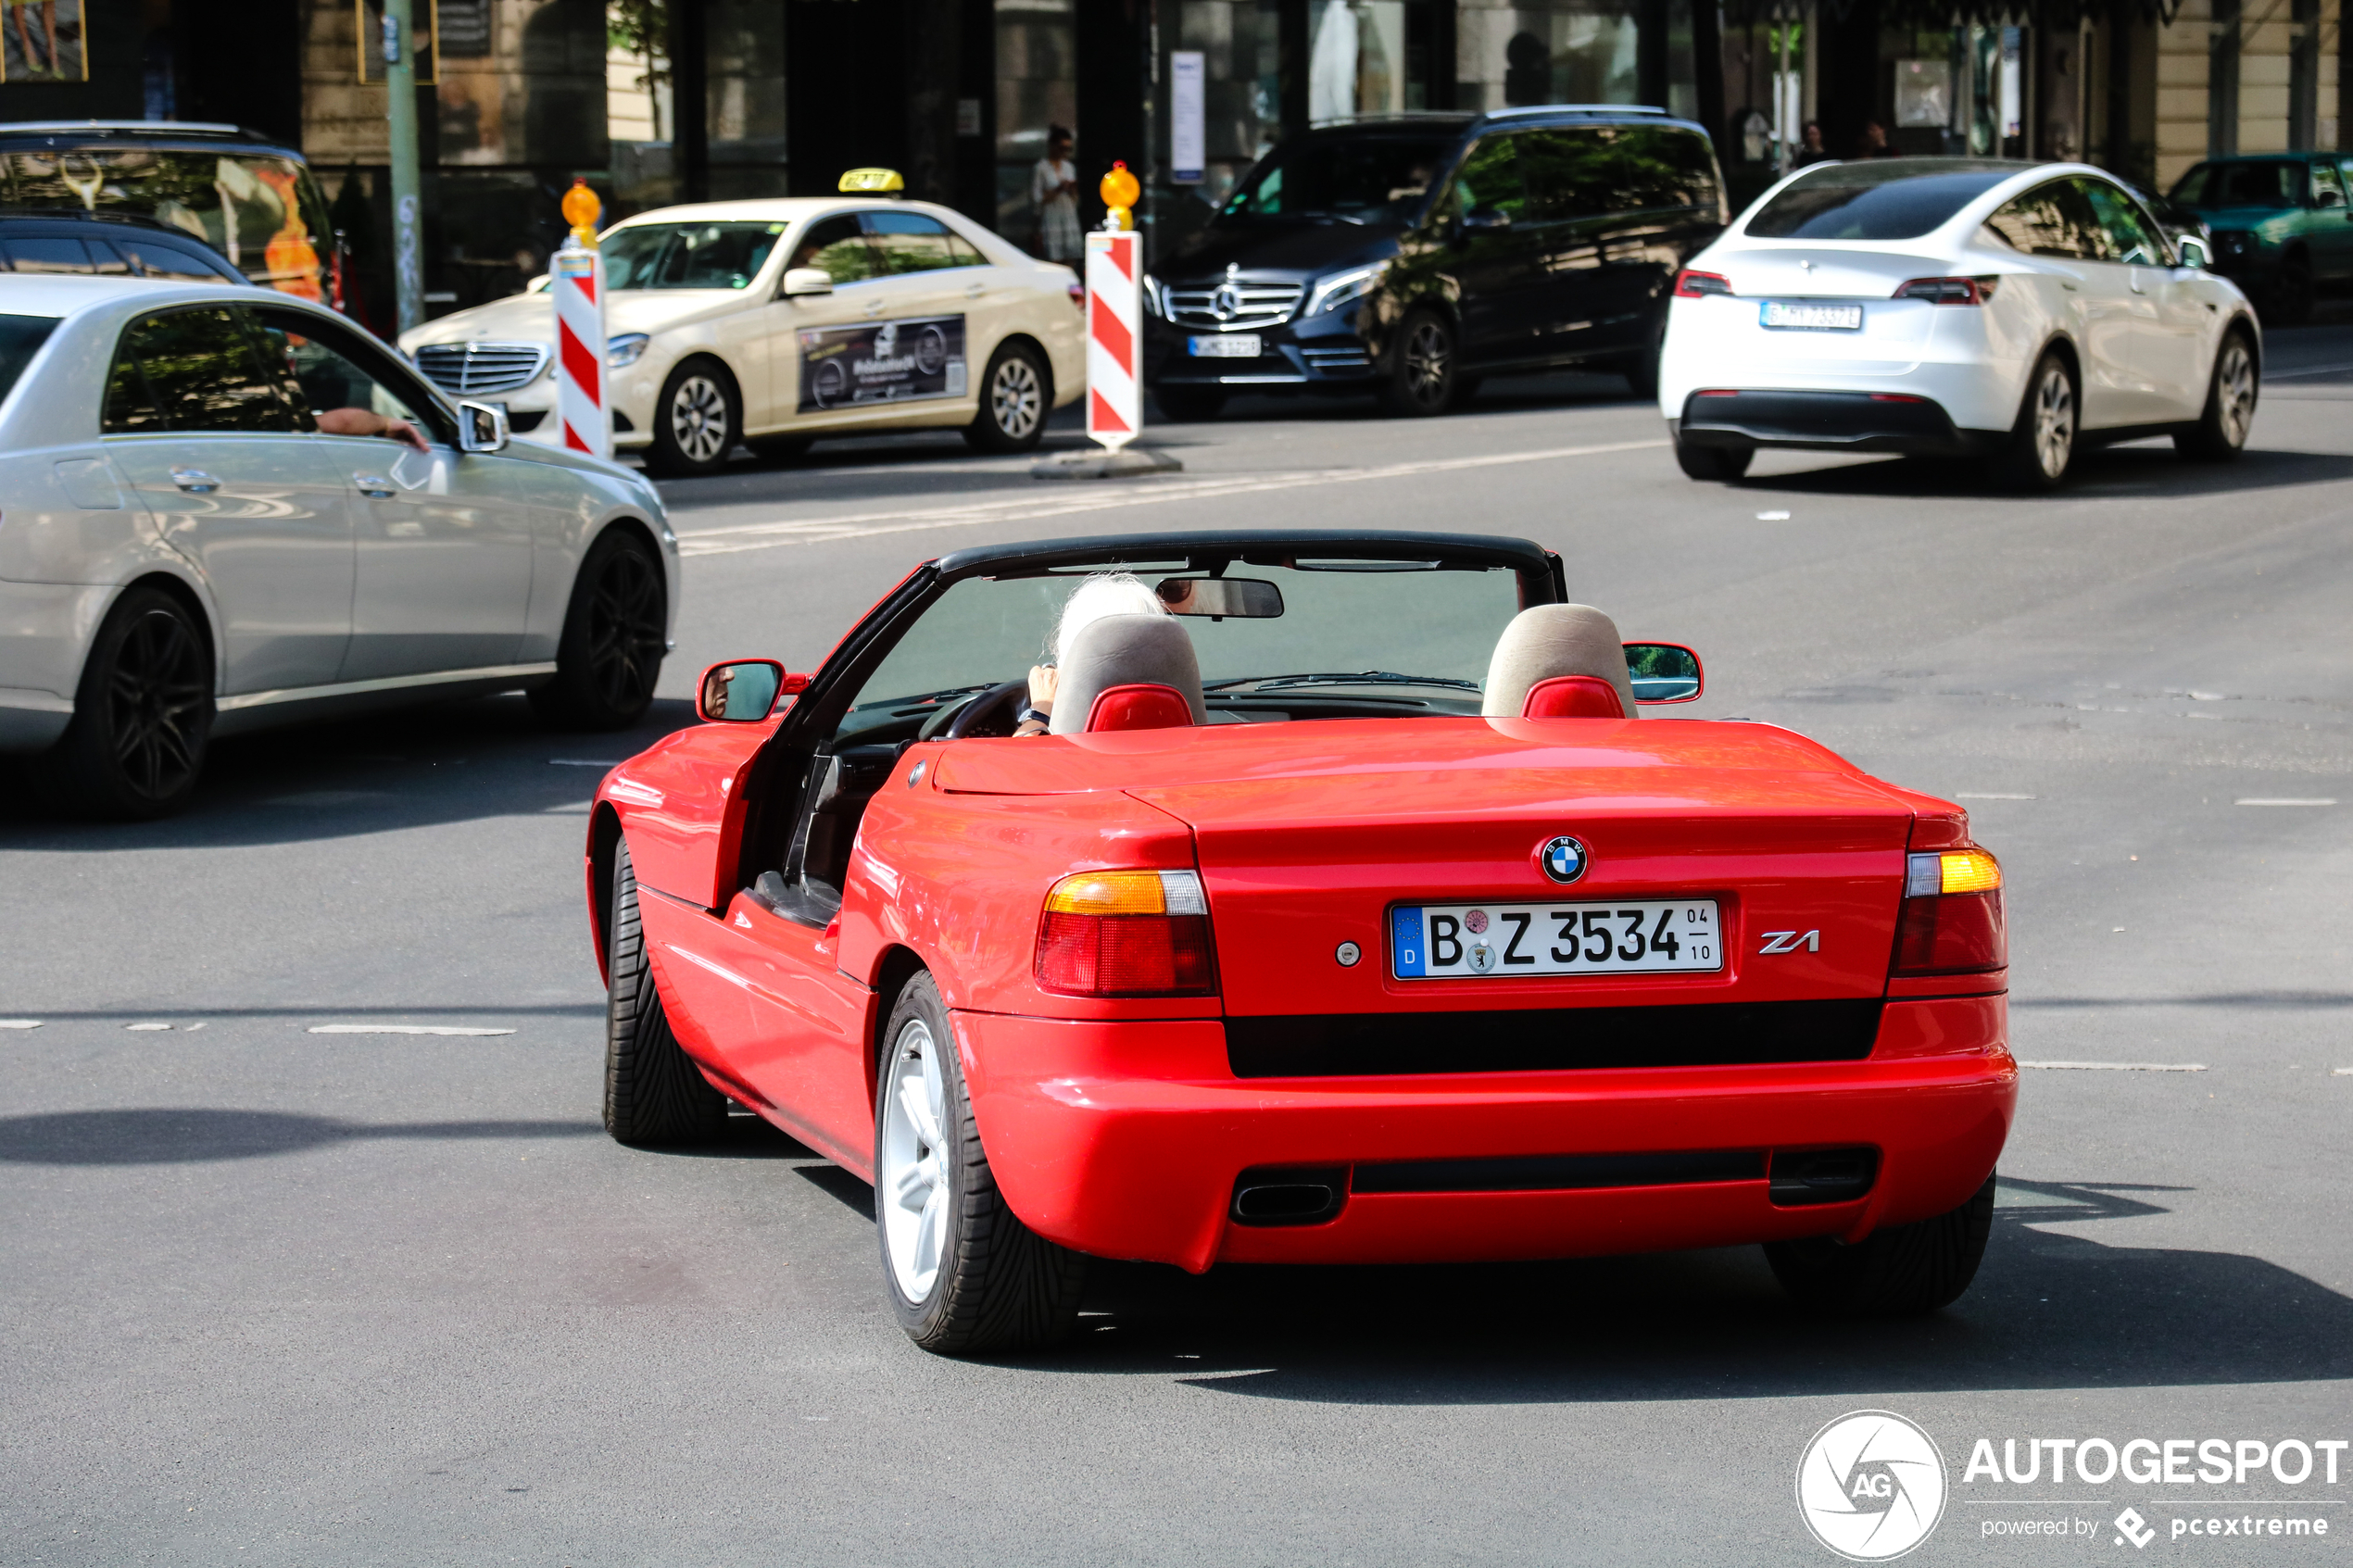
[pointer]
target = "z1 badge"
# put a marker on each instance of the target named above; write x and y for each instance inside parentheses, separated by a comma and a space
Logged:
(1563, 859)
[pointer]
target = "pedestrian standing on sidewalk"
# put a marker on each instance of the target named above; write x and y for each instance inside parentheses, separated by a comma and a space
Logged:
(1053, 191)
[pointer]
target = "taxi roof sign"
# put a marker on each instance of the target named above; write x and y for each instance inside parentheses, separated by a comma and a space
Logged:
(873, 179)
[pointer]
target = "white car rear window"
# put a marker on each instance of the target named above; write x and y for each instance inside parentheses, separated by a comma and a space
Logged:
(1875, 201)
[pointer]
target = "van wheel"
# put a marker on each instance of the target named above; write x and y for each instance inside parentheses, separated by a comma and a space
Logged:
(1015, 396)
(1424, 376)
(141, 717)
(697, 420)
(2221, 430)
(655, 1095)
(963, 1274)
(1722, 464)
(1892, 1273)
(2042, 443)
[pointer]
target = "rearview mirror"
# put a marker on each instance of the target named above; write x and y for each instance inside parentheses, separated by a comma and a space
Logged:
(742, 690)
(809, 279)
(482, 427)
(2193, 252)
(1246, 598)
(1663, 672)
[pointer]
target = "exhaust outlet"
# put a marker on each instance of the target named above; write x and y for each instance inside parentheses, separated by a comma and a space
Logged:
(1290, 1197)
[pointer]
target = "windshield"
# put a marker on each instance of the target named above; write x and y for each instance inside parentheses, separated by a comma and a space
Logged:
(2242, 184)
(262, 212)
(1862, 201)
(1367, 622)
(687, 255)
(1380, 181)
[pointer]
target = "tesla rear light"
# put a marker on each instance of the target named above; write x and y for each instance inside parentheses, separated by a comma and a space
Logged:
(1126, 934)
(1952, 922)
(1699, 285)
(1949, 291)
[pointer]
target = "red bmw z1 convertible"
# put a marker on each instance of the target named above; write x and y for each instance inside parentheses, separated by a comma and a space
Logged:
(1323, 899)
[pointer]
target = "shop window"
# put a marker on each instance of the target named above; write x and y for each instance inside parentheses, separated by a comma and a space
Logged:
(1037, 90)
(744, 52)
(1369, 58)
(1587, 51)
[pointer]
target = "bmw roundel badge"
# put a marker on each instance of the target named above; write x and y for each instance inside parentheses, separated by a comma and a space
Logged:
(1563, 859)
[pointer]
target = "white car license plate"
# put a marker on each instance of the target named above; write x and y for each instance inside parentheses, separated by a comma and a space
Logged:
(1474, 941)
(1782, 315)
(1226, 345)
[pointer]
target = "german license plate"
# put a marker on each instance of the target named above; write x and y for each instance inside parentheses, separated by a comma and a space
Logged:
(1480, 941)
(1788, 316)
(1226, 345)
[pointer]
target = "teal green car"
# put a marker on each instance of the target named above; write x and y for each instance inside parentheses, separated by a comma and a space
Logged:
(2281, 224)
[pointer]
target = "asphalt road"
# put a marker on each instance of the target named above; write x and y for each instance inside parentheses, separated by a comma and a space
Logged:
(274, 1296)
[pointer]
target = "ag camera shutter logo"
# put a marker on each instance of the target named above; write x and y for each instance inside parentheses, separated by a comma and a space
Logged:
(1871, 1486)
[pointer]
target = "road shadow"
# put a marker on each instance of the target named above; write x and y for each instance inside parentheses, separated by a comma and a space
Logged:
(2102, 473)
(2048, 1309)
(413, 766)
(167, 1136)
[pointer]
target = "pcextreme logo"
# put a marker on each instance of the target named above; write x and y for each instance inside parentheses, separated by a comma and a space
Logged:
(1871, 1486)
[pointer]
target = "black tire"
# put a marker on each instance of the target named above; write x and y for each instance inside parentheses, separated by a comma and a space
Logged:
(142, 715)
(1642, 371)
(655, 1096)
(697, 420)
(1188, 405)
(1016, 394)
(2042, 444)
(780, 448)
(2289, 301)
(2221, 431)
(615, 632)
(1893, 1272)
(1425, 370)
(1722, 464)
(996, 1285)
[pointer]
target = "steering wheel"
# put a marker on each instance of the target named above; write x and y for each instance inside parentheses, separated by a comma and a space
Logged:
(995, 707)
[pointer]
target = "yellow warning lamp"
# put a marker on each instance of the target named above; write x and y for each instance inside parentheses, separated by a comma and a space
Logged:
(873, 182)
(581, 207)
(1119, 192)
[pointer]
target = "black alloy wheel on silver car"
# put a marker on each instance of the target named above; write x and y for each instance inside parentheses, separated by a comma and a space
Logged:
(1892, 1273)
(697, 420)
(1016, 394)
(142, 715)
(2042, 444)
(1424, 374)
(2221, 430)
(655, 1095)
(616, 631)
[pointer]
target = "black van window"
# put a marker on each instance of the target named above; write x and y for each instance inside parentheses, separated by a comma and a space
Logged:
(1858, 201)
(1567, 173)
(1379, 181)
(1666, 168)
(1489, 178)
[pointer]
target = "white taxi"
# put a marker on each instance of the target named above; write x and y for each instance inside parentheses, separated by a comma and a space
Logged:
(776, 321)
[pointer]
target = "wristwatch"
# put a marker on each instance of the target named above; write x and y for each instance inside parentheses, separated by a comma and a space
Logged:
(1029, 714)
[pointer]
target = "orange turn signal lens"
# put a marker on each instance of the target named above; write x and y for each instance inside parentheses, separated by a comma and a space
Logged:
(1110, 892)
(1969, 870)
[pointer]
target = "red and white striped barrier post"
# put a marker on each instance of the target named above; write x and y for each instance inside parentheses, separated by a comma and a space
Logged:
(1115, 338)
(576, 280)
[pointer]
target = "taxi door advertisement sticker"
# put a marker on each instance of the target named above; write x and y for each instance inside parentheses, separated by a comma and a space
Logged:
(882, 362)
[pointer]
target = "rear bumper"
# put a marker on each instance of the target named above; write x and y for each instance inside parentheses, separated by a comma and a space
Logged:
(1127, 1140)
(1834, 422)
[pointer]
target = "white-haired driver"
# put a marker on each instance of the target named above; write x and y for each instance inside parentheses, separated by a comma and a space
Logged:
(1104, 593)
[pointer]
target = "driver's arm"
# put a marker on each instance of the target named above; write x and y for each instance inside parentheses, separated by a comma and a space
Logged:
(365, 421)
(1041, 701)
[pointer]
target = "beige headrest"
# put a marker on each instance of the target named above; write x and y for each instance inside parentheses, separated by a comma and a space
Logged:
(1125, 650)
(1544, 640)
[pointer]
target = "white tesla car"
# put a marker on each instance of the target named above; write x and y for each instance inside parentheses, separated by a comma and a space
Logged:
(1960, 307)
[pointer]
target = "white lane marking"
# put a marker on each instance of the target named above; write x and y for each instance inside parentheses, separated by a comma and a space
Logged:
(1965, 795)
(1772, 517)
(2117, 1066)
(2341, 1072)
(2284, 800)
(20, 1023)
(145, 1028)
(730, 539)
(403, 1029)
(582, 763)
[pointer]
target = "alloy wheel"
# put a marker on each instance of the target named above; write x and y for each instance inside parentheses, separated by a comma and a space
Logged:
(2234, 392)
(698, 419)
(2054, 420)
(912, 1181)
(625, 630)
(1017, 401)
(156, 700)
(1428, 364)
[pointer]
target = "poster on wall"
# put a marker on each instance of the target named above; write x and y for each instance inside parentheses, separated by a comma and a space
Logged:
(44, 43)
(882, 362)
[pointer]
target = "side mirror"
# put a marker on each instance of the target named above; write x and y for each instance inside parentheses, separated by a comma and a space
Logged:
(1486, 220)
(2327, 197)
(482, 427)
(809, 279)
(1663, 673)
(744, 691)
(2193, 252)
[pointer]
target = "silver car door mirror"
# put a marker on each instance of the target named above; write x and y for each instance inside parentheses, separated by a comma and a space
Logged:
(2193, 252)
(482, 427)
(809, 279)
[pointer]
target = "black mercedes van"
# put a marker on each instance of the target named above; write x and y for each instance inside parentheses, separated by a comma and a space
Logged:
(1409, 257)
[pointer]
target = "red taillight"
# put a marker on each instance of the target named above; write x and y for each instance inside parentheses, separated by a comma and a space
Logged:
(1952, 922)
(1078, 296)
(1126, 934)
(1895, 397)
(1699, 285)
(1949, 291)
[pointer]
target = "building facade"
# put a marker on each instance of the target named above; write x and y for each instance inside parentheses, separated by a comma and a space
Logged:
(661, 101)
